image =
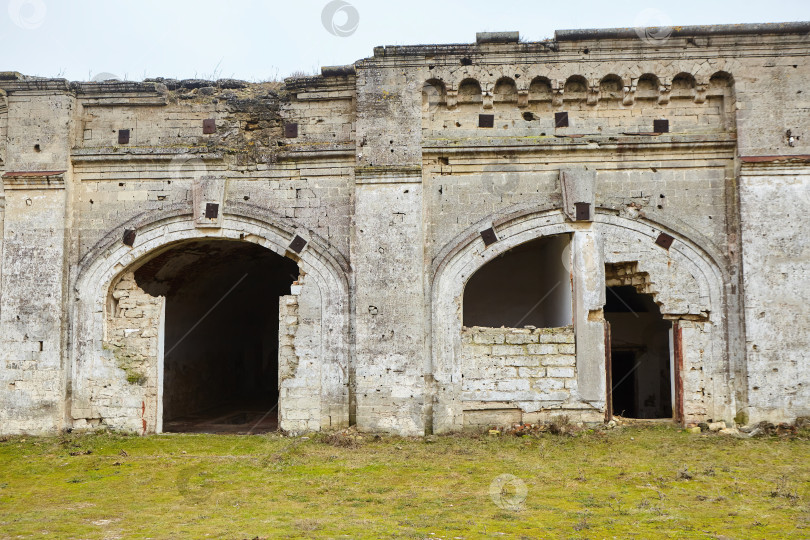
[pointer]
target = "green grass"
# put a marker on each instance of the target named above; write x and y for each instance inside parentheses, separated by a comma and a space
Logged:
(655, 482)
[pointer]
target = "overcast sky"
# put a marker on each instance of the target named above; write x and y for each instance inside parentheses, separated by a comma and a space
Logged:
(266, 39)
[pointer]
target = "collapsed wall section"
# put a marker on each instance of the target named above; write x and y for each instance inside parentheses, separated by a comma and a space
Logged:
(125, 389)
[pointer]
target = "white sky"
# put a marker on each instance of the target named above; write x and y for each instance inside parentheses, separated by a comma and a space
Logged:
(267, 39)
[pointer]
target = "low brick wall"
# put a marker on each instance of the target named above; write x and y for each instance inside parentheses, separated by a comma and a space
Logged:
(509, 372)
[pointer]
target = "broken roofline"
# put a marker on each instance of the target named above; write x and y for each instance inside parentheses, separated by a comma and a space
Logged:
(795, 27)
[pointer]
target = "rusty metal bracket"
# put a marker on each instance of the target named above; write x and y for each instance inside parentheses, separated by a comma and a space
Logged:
(209, 126)
(129, 237)
(489, 236)
(486, 120)
(583, 211)
(664, 240)
(298, 244)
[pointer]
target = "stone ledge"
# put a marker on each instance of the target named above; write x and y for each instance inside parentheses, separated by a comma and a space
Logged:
(388, 174)
(19, 180)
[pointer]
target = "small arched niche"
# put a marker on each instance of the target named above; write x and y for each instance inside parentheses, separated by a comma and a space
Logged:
(611, 87)
(721, 83)
(575, 89)
(434, 95)
(647, 87)
(529, 285)
(683, 86)
(505, 91)
(469, 92)
(540, 89)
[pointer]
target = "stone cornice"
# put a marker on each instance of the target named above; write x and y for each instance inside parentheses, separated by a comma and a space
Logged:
(596, 143)
(388, 174)
(20, 180)
(113, 153)
(775, 165)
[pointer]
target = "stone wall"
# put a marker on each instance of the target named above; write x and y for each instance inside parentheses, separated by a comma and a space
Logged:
(776, 254)
(386, 171)
(521, 370)
(127, 395)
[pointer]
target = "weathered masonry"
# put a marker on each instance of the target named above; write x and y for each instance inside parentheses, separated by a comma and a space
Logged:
(434, 238)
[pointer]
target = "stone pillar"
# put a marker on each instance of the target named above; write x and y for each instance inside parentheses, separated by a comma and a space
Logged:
(588, 270)
(31, 305)
(387, 253)
(34, 272)
(387, 257)
(774, 198)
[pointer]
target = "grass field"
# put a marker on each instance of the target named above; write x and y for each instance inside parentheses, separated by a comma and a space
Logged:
(652, 482)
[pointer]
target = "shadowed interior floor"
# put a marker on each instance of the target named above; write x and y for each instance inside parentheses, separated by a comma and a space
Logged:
(243, 418)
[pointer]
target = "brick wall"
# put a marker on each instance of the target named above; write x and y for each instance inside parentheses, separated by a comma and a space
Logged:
(518, 368)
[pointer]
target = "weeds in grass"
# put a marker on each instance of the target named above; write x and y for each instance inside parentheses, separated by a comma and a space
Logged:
(684, 474)
(615, 505)
(560, 424)
(342, 439)
(582, 524)
(785, 489)
(308, 525)
(297, 487)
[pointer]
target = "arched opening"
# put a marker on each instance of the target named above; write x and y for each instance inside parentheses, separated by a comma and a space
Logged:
(529, 285)
(220, 351)
(683, 85)
(434, 94)
(517, 345)
(505, 91)
(611, 87)
(540, 89)
(647, 87)
(641, 368)
(469, 91)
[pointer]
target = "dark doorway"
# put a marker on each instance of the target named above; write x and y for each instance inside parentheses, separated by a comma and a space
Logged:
(640, 355)
(624, 383)
(220, 358)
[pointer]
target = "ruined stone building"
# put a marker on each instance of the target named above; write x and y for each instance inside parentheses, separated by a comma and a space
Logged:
(433, 238)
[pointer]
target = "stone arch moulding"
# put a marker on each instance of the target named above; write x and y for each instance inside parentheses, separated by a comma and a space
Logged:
(696, 274)
(98, 392)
